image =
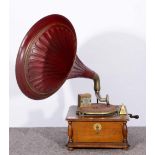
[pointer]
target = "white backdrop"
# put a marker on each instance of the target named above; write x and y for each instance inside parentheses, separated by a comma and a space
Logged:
(111, 41)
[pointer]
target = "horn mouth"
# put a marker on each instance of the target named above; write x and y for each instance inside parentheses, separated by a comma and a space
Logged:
(46, 56)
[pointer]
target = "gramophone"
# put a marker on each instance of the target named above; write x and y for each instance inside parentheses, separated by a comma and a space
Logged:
(46, 59)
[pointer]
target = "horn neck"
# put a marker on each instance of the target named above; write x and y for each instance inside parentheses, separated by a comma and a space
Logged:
(80, 70)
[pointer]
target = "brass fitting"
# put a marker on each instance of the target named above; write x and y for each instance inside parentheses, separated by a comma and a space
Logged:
(96, 83)
(97, 90)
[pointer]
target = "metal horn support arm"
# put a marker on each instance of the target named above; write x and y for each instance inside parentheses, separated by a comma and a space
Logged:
(97, 90)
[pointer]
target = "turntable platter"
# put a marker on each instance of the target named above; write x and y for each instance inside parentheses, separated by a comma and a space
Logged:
(98, 109)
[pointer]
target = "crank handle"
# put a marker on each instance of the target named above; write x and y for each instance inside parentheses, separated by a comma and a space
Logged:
(133, 116)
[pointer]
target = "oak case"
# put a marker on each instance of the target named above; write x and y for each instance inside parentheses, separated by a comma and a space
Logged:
(96, 131)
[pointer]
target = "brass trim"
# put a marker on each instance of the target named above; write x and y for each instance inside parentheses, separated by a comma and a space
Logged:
(123, 110)
(99, 113)
(97, 127)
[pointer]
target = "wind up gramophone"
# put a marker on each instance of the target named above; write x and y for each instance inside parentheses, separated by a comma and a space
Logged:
(46, 59)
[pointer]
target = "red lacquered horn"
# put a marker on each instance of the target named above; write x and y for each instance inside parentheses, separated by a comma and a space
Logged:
(47, 57)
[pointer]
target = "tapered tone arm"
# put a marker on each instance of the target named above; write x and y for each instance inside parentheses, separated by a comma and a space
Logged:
(97, 90)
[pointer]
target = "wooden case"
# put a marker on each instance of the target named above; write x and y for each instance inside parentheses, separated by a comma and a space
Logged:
(96, 131)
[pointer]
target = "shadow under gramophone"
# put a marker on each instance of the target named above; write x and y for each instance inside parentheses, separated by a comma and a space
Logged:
(119, 59)
(36, 118)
